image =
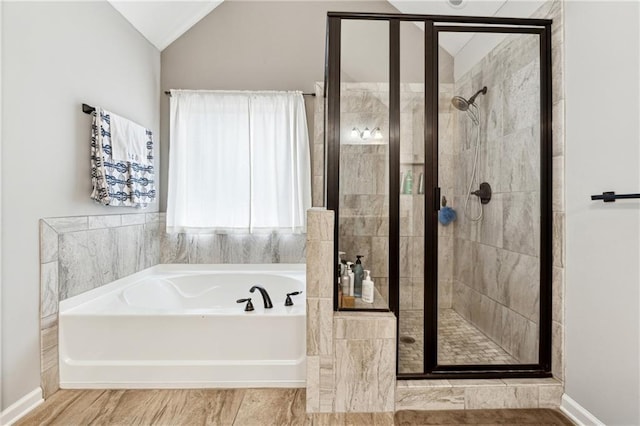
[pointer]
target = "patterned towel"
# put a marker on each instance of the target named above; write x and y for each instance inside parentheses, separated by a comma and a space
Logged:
(118, 182)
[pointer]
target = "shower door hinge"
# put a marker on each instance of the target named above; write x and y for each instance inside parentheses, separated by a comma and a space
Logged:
(436, 198)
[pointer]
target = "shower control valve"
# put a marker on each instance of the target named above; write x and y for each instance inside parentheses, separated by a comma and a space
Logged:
(288, 301)
(249, 306)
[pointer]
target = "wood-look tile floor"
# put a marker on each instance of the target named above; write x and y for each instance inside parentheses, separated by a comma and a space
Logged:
(178, 407)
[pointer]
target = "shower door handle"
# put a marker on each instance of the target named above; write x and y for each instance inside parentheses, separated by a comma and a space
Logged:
(436, 199)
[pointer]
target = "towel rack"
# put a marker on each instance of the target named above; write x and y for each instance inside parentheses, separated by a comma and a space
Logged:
(87, 109)
(611, 197)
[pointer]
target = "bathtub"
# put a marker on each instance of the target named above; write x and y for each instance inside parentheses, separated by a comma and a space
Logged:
(179, 326)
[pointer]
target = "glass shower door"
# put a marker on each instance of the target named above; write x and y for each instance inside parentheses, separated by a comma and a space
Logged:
(489, 176)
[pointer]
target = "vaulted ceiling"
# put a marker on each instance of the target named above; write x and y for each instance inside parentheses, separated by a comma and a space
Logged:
(162, 22)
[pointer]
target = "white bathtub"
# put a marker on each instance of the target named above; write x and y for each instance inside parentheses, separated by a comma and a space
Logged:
(178, 326)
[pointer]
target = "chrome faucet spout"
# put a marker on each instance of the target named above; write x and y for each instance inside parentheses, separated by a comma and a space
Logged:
(265, 296)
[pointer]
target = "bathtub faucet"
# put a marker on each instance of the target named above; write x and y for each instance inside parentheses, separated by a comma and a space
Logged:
(265, 296)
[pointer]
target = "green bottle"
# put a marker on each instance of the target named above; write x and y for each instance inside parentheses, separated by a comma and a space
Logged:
(408, 183)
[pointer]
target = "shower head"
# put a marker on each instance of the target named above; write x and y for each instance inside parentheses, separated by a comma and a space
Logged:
(463, 104)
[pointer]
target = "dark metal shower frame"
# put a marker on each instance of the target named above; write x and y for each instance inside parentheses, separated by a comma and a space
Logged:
(434, 25)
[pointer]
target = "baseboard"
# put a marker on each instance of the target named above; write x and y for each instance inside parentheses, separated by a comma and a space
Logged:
(577, 413)
(21, 407)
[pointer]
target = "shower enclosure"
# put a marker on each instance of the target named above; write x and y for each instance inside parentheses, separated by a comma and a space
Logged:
(438, 136)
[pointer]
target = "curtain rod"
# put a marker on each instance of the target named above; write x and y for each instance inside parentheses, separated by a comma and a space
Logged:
(168, 93)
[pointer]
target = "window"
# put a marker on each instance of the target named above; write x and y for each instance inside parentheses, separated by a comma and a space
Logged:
(238, 162)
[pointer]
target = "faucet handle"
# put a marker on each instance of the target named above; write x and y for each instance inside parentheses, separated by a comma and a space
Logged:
(249, 306)
(288, 301)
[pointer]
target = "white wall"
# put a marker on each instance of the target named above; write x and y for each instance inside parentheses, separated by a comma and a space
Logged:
(603, 240)
(56, 55)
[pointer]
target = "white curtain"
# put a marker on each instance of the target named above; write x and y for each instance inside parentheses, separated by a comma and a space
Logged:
(238, 161)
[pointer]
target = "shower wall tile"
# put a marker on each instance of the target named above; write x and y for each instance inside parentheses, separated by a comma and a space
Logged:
(49, 288)
(558, 184)
(521, 219)
(557, 311)
(417, 284)
(445, 258)
(521, 161)
(406, 293)
(491, 228)
(558, 128)
(318, 191)
(558, 239)
(445, 290)
(486, 271)
(320, 224)
(557, 350)
(520, 278)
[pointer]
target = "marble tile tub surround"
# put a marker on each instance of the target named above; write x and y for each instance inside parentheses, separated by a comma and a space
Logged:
(495, 283)
(350, 355)
(80, 253)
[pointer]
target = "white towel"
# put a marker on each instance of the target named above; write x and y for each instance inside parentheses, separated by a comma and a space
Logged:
(128, 140)
(119, 182)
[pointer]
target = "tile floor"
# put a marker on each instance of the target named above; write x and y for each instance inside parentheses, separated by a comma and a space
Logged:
(459, 342)
(177, 407)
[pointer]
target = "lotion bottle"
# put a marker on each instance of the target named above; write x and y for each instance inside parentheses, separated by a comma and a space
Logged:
(351, 278)
(367, 288)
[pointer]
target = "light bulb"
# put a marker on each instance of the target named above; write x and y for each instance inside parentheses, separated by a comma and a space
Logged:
(377, 133)
(355, 132)
(366, 133)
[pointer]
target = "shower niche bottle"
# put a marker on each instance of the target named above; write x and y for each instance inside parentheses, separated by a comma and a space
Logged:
(407, 188)
(358, 276)
(367, 288)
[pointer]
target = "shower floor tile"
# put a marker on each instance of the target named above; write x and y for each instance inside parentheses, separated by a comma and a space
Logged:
(459, 342)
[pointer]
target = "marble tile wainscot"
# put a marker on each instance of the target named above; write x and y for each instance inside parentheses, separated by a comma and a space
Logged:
(80, 253)
(351, 356)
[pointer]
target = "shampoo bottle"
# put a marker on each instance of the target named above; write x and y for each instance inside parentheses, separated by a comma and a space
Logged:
(345, 280)
(367, 288)
(351, 278)
(408, 183)
(358, 275)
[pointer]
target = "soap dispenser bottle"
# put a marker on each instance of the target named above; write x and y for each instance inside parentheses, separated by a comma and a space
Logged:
(367, 288)
(358, 276)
